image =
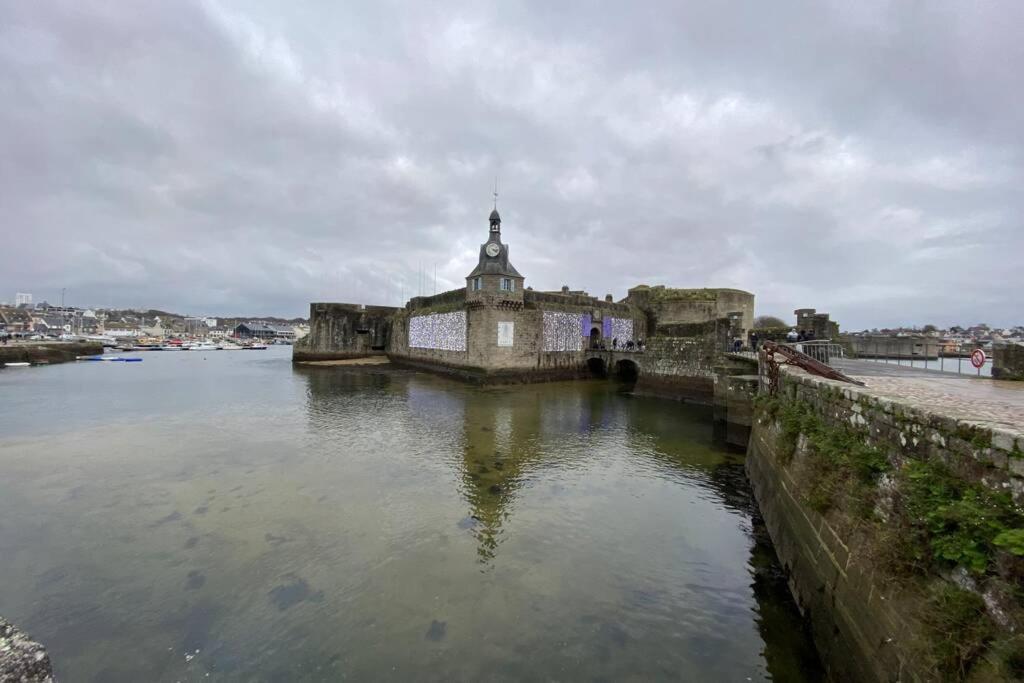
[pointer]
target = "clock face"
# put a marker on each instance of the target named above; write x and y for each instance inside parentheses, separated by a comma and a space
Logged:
(493, 249)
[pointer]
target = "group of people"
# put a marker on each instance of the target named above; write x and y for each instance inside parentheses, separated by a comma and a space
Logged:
(793, 336)
(628, 345)
(801, 336)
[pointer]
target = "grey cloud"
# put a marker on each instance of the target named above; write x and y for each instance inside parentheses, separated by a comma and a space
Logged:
(215, 157)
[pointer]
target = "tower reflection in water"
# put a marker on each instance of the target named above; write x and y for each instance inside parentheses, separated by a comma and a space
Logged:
(508, 451)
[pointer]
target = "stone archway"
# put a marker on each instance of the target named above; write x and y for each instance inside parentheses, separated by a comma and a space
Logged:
(595, 337)
(627, 370)
(598, 368)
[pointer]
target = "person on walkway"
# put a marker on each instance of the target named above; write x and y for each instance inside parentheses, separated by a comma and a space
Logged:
(615, 343)
(753, 341)
(791, 335)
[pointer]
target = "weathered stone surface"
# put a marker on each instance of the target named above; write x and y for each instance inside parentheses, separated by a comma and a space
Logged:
(48, 352)
(864, 622)
(1008, 361)
(21, 658)
(339, 331)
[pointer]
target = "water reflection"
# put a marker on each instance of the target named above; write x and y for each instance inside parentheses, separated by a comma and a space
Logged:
(510, 437)
(310, 524)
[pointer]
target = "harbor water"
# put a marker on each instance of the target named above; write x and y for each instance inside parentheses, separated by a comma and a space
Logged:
(227, 516)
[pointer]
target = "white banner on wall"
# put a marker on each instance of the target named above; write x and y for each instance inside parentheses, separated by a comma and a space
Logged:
(562, 331)
(442, 331)
(506, 332)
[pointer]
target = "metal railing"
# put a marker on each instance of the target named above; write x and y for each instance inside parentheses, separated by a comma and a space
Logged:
(934, 356)
(822, 351)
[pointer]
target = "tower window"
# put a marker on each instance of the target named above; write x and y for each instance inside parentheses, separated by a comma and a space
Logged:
(508, 284)
(477, 284)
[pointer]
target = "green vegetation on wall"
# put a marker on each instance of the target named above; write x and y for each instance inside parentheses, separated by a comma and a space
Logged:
(839, 460)
(925, 523)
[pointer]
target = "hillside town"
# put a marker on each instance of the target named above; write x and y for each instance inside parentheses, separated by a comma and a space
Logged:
(28, 320)
(980, 332)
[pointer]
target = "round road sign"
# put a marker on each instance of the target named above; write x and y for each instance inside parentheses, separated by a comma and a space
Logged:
(978, 358)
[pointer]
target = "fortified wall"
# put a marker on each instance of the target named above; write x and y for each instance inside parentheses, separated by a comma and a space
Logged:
(1008, 361)
(885, 346)
(543, 335)
(672, 306)
(900, 529)
(497, 329)
(682, 364)
(341, 331)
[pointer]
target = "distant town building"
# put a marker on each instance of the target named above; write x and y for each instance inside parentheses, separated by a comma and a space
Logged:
(262, 330)
(22, 299)
(15, 321)
(196, 327)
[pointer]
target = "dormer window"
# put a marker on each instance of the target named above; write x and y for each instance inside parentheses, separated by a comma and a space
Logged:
(508, 284)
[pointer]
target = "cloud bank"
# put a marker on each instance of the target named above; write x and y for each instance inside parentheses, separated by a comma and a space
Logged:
(240, 157)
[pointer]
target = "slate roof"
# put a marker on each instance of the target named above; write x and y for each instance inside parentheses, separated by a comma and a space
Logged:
(499, 265)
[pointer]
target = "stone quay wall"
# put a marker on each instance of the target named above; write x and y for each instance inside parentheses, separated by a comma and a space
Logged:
(683, 366)
(44, 353)
(885, 346)
(1008, 361)
(866, 500)
(339, 331)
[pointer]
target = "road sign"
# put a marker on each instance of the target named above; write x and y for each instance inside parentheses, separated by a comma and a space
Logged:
(978, 358)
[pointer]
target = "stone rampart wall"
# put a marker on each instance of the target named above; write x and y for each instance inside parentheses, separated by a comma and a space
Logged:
(683, 367)
(838, 486)
(45, 353)
(452, 296)
(577, 301)
(338, 331)
(1008, 361)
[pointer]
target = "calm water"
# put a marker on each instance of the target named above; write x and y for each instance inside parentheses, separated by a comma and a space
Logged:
(225, 516)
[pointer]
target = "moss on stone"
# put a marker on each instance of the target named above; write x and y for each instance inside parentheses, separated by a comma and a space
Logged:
(839, 459)
(958, 629)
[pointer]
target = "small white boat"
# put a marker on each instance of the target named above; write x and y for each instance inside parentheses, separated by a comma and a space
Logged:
(202, 346)
(16, 365)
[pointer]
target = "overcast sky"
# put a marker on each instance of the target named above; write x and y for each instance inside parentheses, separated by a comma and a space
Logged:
(247, 157)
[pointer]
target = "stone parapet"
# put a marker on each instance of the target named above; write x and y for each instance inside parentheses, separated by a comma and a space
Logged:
(1008, 361)
(990, 454)
(863, 496)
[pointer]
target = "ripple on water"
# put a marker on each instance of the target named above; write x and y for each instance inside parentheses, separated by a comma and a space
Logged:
(381, 525)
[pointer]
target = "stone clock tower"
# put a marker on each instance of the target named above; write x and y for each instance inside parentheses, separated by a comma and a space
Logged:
(495, 279)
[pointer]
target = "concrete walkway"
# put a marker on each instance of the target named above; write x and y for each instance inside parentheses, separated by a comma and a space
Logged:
(994, 403)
